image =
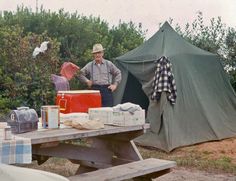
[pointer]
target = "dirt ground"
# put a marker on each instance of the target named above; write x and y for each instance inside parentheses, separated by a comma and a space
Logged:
(183, 174)
(215, 149)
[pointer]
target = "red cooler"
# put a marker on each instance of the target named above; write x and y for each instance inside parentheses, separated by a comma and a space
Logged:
(78, 100)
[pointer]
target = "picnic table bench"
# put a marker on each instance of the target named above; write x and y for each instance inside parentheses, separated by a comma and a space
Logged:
(139, 170)
(111, 150)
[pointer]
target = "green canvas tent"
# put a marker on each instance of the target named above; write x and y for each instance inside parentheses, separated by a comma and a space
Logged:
(205, 107)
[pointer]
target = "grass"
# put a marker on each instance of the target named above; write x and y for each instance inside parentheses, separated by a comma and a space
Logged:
(191, 158)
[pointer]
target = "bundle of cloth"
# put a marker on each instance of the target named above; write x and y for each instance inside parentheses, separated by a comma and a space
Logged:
(80, 121)
(128, 106)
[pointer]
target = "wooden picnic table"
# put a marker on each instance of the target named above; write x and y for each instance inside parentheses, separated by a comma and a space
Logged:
(102, 149)
(108, 147)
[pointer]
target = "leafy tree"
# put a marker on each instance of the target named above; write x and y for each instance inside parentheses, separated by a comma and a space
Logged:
(25, 81)
(125, 37)
(76, 33)
(230, 43)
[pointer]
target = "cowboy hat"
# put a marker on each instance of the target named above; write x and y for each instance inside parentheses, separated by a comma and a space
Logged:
(97, 48)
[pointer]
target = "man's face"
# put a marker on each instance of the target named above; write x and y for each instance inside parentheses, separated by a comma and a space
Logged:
(98, 56)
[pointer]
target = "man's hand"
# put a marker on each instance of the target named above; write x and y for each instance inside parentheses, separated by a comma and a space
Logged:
(112, 87)
(89, 83)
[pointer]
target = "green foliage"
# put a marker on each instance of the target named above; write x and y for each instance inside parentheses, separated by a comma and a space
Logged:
(125, 37)
(210, 38)
(75, 33)
(230, 43)
(25, 81)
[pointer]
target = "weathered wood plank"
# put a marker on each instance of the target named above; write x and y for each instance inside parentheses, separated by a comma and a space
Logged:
(75, 152)
(127, 171)
(124, 149)
(125, 135)
(121, 152)
(152, 175)
(60, 134)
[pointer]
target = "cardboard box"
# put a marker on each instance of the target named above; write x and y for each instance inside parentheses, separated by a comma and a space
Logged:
(122, 118)
(74, 116)
(103, 114)
(127, 119)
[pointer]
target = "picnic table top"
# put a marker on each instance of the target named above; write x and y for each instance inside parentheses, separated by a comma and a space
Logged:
(67, 133)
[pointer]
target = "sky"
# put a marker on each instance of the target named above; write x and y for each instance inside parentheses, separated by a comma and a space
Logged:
(148, 12)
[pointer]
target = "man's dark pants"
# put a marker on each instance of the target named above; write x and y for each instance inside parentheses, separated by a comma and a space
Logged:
(106, 94)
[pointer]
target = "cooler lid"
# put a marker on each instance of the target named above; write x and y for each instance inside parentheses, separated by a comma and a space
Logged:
(79, 92)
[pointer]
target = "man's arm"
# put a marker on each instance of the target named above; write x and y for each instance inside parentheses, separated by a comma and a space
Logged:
(84, 73)
(116, 77)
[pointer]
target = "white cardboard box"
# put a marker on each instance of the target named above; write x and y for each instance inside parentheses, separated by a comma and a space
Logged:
(103, 114)
(107, 116)
(127, 119)
(74, 116)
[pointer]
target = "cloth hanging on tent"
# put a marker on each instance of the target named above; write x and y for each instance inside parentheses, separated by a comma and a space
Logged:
(164, 81)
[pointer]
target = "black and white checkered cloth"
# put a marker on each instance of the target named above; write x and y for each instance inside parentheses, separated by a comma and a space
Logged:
(164, 81)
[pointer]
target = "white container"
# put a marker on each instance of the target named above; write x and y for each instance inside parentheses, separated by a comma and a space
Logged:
(106, 115)
(74, 116)
(8, 133)
(103, 114)
(50, 116)
(2, 133)
(5, 133)
(125, 118)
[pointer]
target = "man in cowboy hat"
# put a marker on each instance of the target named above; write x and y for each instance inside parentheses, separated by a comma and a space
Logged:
(101, 74)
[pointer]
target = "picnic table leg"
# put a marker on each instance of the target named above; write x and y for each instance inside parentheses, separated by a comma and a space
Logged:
(91, 164)
(102, 146)
(126, 150)
(121, 145)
